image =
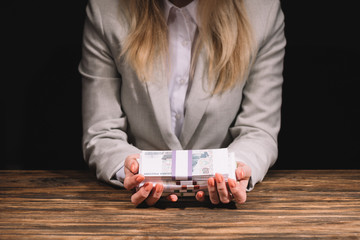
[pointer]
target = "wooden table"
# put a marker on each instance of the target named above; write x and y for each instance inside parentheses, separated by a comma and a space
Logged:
(73, 204)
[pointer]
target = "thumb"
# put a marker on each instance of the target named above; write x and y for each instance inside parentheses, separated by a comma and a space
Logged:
(131, 164)
(242, 172)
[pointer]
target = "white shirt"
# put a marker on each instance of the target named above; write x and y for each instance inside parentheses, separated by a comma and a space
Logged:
(182, 26)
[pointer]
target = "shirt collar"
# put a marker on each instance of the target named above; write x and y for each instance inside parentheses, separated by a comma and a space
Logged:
(191, 9)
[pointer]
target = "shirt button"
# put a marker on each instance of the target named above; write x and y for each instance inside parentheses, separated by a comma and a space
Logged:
(185, 43)
(182, 81)
(177, 116)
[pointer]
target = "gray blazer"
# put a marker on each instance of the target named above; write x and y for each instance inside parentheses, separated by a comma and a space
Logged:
(123, 115)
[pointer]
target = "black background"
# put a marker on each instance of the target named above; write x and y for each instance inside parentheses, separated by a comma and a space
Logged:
(41, 49)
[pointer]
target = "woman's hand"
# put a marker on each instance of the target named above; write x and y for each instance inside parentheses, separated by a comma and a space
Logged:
(219, 191)
(146, 193)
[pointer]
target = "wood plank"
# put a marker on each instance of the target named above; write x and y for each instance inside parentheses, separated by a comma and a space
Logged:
(294, 204)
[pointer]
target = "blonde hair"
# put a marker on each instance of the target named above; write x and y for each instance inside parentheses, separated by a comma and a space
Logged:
(224, 32)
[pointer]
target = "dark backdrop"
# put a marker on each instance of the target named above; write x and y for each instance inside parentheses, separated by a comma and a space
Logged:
(41, 48)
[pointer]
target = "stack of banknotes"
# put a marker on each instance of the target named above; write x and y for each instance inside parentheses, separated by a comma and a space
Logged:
(185, 172)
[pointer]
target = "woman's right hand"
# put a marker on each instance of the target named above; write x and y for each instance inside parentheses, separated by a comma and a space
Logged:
(146, 193)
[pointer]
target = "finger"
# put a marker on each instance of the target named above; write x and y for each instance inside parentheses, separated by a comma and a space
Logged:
(155, 194)
(221, 188)
(133, 181)
(243, 171)
(238, 191)
(142, 194)
(200, 196)
(213, 194)
(172, 198)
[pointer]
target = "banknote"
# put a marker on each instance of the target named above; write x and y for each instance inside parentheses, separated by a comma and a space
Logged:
(186, 167)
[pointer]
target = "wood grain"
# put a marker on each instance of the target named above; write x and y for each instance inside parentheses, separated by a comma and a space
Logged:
(299, 204)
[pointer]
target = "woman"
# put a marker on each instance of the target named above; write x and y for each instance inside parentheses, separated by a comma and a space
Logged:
(166, 74)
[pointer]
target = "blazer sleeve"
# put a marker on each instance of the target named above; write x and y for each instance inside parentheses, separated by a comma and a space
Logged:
(258, 122)
(105, 144)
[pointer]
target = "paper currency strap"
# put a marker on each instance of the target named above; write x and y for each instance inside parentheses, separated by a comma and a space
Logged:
(181, 167)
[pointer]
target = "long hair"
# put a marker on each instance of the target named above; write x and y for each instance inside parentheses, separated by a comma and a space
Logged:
(224, 32)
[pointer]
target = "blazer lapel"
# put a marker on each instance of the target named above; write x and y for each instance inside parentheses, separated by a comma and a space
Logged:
(159, 96)
(197, 101)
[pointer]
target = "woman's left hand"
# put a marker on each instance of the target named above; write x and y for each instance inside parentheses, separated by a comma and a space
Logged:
(219, 190)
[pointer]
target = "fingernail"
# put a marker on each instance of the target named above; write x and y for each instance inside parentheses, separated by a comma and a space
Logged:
(148, 186)
(219, 178)
(242, 173)
(211, 182)
(158, 188)
(140, 178)
(173, 198)
(232, 183)
(132, 168)
(200, 194)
